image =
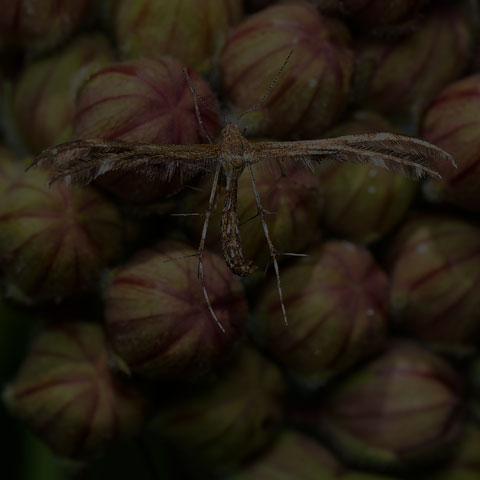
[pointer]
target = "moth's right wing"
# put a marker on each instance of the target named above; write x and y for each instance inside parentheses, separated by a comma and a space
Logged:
(411, 156)
(82, 161)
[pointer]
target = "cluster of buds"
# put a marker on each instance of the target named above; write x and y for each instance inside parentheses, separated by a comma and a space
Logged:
(66, 392)
(302, 104)
(148, 101)
(225, 386)
(158, 319)
(435, 266)
(336, 300)
(223, 424)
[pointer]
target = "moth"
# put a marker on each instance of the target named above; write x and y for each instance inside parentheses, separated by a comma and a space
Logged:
(82, 161)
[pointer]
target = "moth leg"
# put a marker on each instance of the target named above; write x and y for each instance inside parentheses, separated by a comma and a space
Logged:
(273, 251)
(257, 215)
(201, 247)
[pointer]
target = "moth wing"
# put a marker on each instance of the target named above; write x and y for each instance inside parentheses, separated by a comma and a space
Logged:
(82, 161)
(399, 153)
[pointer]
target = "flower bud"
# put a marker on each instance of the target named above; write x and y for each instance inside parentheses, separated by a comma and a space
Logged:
(381, 13)
(44, 95)
(282, 191)
(311, 92)
(158, 319)
(435, 267)
(223, 424)
(402, 408)
(40, 24)
(145, 101)
(336, 301)
(296, 453)
(68, 396)
(54, 242)
(400, 77)
(363, 202)
(191, 30)
(452, 123)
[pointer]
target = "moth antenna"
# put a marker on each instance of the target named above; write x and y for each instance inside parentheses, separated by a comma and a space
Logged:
(271, 247)
(270, 88)
(201, 247)
(195, 95)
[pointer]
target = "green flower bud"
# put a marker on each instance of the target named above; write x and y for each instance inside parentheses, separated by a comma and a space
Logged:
(40, 24)
(435, 267)
(225, 423)
(54, 242)
(402, 76)
(363, 202)
(403, 408)
(190, 30)
(294, 456)
(146, 101)
(452, 123)
(66, 393)
(311, 92)
(44, 95)
(336, 302)
(157, 316)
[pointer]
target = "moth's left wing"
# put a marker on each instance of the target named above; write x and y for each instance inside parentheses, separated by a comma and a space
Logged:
(81, 161)
(399, 153)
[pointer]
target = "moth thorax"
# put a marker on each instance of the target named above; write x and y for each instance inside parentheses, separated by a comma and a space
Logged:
(235, 148)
